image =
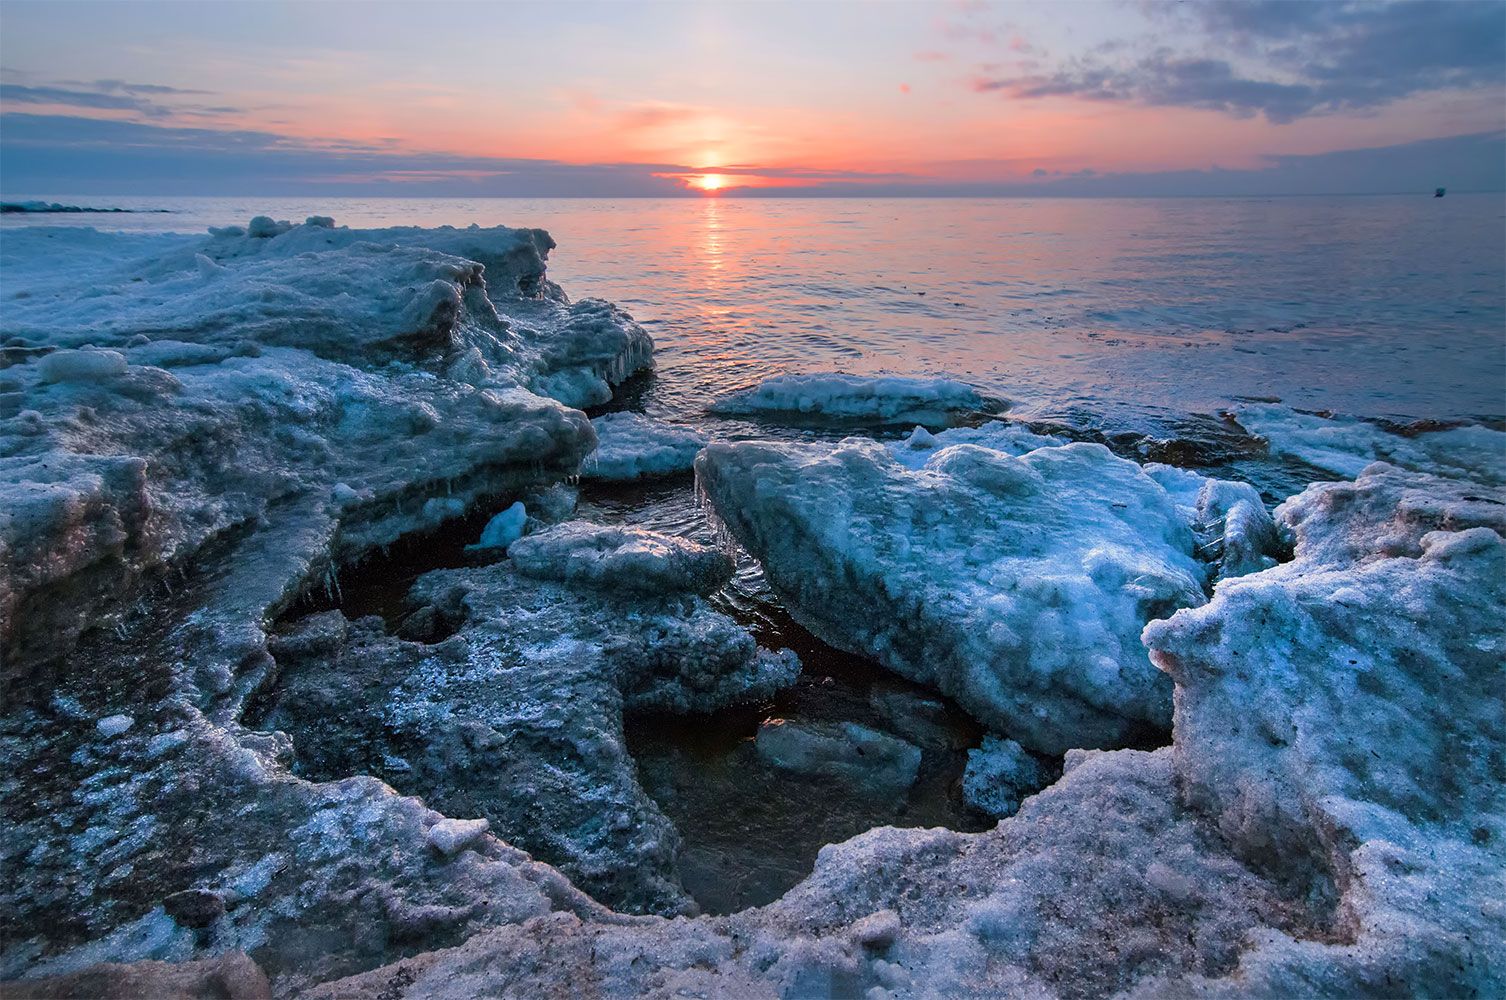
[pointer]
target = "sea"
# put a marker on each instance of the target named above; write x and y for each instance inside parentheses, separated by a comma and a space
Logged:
(1128, 309)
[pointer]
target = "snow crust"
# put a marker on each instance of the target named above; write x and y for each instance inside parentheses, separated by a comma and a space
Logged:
(289, 404)
(856, 399)
(1000, 774)
(914, 451)
(1328, 821)
(632, 446)
(1016, 584)
(1339, 718)
(503, 694)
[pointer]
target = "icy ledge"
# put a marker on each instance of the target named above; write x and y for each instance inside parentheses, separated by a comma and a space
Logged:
(197, 431)
(632, 446)
(169, 389)
(856, 400)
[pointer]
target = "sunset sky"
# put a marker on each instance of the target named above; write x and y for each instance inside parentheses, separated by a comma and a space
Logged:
(612, 99)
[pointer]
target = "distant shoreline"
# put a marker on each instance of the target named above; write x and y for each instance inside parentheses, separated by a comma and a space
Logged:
(54, 208)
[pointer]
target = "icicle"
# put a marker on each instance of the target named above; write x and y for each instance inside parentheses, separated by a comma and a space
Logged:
(725, 540)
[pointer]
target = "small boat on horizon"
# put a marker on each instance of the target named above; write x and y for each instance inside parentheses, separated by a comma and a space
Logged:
(1438, 192)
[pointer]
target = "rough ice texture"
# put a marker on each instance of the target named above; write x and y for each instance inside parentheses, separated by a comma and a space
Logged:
(1328, 822)
(921, 445)
(632, 446)
(289, 403)
(1345, 445)
(505, 527)
(1340, 719)
(233, 976)
(233, 373)
(1097, 884)
(1017, 585)
(856, 399)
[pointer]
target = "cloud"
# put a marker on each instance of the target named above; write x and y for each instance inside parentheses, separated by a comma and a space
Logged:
(1286, 60)
(15, 93)
(650, 115)
(109, 95)
(121, 86)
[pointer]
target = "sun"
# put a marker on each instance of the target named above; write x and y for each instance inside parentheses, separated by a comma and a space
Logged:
(710, 183)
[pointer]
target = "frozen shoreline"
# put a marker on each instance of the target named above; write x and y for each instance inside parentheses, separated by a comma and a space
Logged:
(202, 428)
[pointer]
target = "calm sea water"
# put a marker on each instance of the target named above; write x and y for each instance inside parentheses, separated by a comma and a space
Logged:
(1379, 306)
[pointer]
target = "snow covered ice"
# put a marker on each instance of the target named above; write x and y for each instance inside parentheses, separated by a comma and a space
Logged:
(1018, 585)
(1343, 446)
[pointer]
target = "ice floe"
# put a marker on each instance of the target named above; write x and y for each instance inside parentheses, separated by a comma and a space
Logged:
(1000, 774)
(510, 704)
(856, 399)
(632, 446)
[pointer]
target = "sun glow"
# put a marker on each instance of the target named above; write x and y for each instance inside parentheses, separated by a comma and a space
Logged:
(709, 183)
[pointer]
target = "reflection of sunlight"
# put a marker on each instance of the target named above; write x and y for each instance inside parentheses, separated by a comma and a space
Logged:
(711, 237)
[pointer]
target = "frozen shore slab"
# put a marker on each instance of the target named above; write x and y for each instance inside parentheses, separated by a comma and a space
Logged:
(170, 388)
(1018, 585)
(1327, 822)
(878, 400)
(201, 429)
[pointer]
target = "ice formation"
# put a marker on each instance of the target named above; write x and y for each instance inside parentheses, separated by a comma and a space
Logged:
(1343, 446)
(1016, 584)
(189, 446)
(856, 399)
(632, 446)
(504, 528)
(921, 445)
(1328, 821)
(592, 555)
